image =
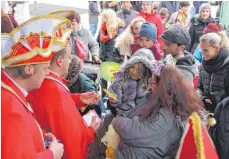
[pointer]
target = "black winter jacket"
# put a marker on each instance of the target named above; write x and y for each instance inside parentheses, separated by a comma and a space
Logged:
(215, 85)
(220, 132)
(196, 31)
(106, 52)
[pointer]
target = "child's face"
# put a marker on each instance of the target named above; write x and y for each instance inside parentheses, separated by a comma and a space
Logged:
(134, 72)
(145, 42)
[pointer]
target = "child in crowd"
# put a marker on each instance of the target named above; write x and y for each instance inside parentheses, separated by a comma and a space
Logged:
(148, 40)
(164, 14)
(128, 37)
(132, 82)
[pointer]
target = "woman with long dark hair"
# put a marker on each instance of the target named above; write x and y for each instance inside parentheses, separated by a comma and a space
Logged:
(158, 130)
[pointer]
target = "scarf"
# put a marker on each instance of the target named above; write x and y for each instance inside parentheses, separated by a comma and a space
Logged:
(215, 64)
(126, 11)
(182, 17)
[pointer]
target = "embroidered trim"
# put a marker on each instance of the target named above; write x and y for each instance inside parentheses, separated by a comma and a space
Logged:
(13, 92)
(51, 78)
(27, 106)
(198, 137)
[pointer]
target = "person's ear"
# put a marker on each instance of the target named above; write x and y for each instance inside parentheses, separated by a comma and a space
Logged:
(217, 48)
(181, 47)
(29, 69)
(59, 61)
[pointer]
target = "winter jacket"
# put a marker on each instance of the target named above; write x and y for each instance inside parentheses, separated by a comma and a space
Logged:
(84, 35)
(198, 54)
(107, 45)
(8, 23)
(129, 92)
(187, 65)
(148, 138)
(78, 82)
(156, 20)
(220, 131)
(82, 85)
(127, 15)
(196, 31)
(213, 82)
(93, 12)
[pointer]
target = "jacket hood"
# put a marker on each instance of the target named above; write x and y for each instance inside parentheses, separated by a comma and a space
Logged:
(74, 70)
(144, 56)
(188, 63)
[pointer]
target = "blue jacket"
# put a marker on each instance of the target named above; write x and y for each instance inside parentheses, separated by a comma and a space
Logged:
(198, 54)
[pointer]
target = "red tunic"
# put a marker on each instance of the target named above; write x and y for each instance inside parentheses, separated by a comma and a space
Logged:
(55, 109)
(21, 135)
(155, 19)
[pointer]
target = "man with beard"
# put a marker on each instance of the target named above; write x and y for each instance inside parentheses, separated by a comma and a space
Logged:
(175, 40)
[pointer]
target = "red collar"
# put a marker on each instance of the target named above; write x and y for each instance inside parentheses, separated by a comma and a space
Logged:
(9, 83)
(11, 87)
(57, 77)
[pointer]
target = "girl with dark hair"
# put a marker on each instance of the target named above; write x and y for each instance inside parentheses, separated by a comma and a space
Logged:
(165, 113)
(132, 83)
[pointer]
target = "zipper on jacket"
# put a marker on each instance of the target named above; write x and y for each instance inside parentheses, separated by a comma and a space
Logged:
(211, 84)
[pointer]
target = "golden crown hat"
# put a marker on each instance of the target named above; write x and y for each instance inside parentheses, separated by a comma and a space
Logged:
(34, 41)
(196, 142)
(62, 13)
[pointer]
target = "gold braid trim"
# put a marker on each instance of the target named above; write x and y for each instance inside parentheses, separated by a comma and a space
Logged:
(67, 12)
(51, 78)
(198, 138)
(39, 17)
(27, 106)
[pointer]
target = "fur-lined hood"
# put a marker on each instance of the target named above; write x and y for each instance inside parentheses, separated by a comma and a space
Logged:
(74, 70)
(144, 56)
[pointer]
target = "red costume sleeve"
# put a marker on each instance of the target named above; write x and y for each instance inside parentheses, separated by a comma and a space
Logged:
(17, 140)
(64, 120)
(76, 98)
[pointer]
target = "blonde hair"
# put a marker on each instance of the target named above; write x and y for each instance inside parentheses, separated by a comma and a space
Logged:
(214, 39)
(224, 39)
(112, 21)
(124, 40)
(109, 16)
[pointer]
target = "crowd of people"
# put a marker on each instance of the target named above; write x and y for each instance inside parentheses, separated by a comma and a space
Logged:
(169, 99)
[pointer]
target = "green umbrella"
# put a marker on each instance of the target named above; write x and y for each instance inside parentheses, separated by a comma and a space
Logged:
(108, 69)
